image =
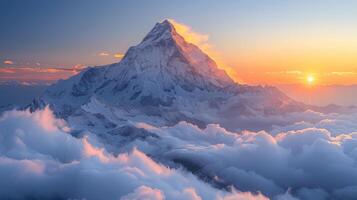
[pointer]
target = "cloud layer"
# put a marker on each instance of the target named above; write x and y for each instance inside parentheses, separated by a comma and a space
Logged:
(312, 160)
(39, 159)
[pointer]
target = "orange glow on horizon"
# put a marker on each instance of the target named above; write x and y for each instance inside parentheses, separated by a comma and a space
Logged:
(330, 52)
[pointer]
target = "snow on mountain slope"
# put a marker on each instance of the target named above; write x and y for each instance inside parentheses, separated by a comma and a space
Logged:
(162, 80)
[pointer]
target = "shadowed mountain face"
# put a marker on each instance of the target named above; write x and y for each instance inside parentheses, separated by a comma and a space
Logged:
(163, 80)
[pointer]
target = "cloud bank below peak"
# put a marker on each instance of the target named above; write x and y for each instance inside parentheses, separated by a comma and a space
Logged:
(303, 158)
(39, 159)
(38, 154)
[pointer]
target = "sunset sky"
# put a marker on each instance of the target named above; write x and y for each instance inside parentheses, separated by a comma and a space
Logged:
(119, 99)
(258, 42)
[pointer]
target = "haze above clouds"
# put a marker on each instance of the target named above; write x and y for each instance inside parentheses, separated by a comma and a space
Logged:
(320, 95)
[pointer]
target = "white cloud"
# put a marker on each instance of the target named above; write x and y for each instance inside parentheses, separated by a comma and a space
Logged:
(305, 159)
(316, 160)
(40, 159)
(103, 54)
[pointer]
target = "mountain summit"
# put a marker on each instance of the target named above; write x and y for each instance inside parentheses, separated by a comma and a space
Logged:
(165, 57)
(162, 80)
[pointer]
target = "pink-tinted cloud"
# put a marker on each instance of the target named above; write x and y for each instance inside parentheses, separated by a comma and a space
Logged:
(244, 196)
(145, 192)
(7, 70)
(38, 73)
(91, 151)
(8, 62)
(36, 162)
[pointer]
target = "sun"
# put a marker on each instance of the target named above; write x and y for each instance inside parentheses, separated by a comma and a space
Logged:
(310, 79)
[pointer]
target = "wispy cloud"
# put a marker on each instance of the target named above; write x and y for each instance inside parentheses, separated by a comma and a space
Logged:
(38, 73)
(201, 40)
(8, 62)
(297, 72)
(103, 54)
(191, 36)
(7, 70)
(11, 70)
(110, 55)
(344, 73)
(288, 72)
(118, 55)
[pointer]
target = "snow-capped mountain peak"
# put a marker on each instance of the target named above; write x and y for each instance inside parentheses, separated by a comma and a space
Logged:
(164, 79)
(165, 56)
(163, 30)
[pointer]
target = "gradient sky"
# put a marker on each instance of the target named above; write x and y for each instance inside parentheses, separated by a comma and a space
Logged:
(259, 41)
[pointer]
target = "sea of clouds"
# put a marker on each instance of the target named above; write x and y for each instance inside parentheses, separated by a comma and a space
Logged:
(312, 159)
(39, 159)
